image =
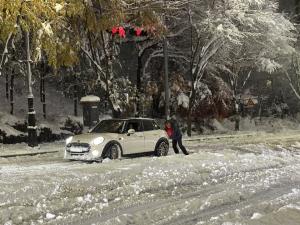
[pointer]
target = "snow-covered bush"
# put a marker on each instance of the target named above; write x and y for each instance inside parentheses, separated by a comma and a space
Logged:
(73, 126)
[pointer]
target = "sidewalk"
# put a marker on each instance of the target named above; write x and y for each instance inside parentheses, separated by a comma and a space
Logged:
(8, 151)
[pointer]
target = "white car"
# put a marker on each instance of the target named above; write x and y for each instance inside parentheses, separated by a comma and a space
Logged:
(115, 138)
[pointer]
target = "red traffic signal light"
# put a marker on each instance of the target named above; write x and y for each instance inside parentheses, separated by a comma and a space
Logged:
(128, 31)
(118, 30)
(138, 31)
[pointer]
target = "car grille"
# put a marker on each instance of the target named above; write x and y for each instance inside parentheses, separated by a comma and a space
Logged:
(78, 148)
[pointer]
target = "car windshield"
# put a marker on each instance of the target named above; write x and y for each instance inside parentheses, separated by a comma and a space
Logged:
(109, 126)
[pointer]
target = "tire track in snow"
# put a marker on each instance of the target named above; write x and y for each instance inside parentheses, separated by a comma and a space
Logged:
(143, 208)
(265, 195)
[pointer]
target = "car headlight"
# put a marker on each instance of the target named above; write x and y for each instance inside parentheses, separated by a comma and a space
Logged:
(98, 141)
(69, 140)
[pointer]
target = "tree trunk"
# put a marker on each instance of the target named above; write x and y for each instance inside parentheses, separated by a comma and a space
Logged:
(32, 129)
(12, 93)
(189, 119)
(44, 98)
(75, 100)
(43, 91)
(41, 87)
(7, 86)
(237, 115)
(189, 122)
(138, 85)
(260, 107)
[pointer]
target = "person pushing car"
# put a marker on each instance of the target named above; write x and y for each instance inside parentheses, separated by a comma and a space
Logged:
(174, 133)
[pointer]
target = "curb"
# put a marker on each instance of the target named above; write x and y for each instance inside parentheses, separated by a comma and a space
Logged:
(27, 154)
(218, 137)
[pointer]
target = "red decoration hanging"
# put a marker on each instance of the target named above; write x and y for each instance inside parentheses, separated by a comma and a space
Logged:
(138, 31)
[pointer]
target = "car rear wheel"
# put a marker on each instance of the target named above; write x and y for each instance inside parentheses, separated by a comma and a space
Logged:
(162, 148)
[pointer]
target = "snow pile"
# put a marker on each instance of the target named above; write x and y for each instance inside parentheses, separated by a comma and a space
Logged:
(248, 124)
(50, 216)
(268, 124)
(14, 129)
(218, 126)
(9, 131)
(276, 124)
(256, 216)
(8, 119)
(8, 128)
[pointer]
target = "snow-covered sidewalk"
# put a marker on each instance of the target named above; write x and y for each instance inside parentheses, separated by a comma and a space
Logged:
(15, 150)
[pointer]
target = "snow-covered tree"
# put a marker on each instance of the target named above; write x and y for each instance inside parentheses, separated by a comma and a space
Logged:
(229, 37)
(256, 38)
(37, 23)
(102, 47)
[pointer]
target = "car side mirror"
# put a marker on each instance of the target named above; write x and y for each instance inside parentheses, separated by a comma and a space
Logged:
(130, 131)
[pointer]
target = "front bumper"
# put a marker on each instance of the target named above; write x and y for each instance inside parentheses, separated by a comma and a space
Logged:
(82, 152)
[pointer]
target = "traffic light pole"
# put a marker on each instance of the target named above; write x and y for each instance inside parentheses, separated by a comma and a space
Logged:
(167, 91)
(166, 66)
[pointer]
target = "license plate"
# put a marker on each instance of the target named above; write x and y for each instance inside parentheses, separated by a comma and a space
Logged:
(78, 149)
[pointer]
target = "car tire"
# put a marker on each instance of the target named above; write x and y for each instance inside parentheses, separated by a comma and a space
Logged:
(113, 152)
(162, 148)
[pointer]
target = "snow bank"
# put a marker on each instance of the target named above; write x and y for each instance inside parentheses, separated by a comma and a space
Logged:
(9, 131)
(268, 124)
(8, 119)
(14, 130)
(218, 126)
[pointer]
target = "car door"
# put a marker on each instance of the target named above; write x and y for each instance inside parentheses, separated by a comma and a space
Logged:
(151, 135)
(134, 143)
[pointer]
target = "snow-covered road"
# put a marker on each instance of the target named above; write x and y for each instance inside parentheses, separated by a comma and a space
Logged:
(238, 180)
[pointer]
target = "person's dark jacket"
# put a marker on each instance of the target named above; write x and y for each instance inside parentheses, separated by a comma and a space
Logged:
(177, 135)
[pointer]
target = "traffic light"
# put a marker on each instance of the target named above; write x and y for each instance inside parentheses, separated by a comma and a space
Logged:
(118, 30)
(128, 31)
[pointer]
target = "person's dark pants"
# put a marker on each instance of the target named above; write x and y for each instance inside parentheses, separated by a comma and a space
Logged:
(179, 142)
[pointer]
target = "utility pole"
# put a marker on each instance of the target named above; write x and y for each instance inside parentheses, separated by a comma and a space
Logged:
(189, 119)
(32, 129)
(166, 66)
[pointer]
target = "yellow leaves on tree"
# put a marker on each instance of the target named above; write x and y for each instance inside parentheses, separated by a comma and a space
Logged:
(58, 27)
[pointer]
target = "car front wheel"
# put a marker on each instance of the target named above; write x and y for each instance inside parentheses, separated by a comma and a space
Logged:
(162, 148)
(113, 152)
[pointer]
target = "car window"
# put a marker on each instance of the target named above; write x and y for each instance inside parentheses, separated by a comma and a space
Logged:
(109, 126)
(155, 125)
(134, 124)
(148, 125)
